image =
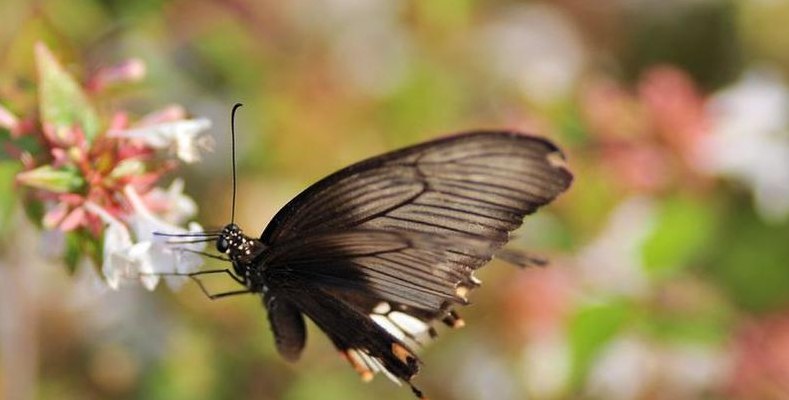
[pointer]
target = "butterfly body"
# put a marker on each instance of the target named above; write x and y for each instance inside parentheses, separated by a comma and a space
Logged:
(243, 252)
(378, 251)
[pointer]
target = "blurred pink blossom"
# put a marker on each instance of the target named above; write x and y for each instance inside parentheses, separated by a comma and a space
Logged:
(761, 359)
(9, 121)
(128, 71)
(648, 138)
(610, 111)
(540, 299)
(540, 302)
(676, 110)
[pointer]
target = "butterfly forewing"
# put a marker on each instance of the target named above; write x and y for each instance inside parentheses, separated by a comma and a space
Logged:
(480, 183)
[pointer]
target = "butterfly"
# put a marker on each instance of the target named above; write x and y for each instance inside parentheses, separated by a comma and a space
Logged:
(379, 251)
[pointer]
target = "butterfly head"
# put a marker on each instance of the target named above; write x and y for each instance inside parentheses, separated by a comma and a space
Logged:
(238, 246)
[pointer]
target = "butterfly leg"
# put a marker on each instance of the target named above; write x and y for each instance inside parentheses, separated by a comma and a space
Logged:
(202, 253)
(214, 296)
(226, 294)
(216, 271)
(194, 276)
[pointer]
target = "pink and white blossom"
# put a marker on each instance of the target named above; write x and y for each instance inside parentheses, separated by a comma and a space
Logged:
(184, 138)
(93, 179)
(132, 251)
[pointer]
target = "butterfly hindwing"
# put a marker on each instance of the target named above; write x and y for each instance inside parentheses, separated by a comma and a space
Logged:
(287, 324)
(341, 280)
(368, 347)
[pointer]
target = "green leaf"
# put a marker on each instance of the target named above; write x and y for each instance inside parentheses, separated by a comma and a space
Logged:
(707, 327)
(26, 143)
(749, 260)
(8, 171)
(61, 99)
(684, 227)
(73, 252)
(51, 179)
(591, 328)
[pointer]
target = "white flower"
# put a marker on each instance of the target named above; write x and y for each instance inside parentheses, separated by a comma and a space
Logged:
(546, 365)
(535, 48)
(630, 366)
(178, 207)
(164, 257)
(750, 139)
(136, 253)
(184, 137)
(483, 374)
(122, 258)
(616, 252)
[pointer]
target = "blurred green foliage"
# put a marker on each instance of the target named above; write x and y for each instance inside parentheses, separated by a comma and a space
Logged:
(684, 227)
(591, 327)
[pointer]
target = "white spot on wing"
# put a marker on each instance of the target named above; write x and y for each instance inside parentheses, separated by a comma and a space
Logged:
(385, 323)
(410, 324)
(371, 363)
(382, 308)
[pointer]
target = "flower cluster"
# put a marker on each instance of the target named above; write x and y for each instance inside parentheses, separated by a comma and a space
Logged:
(648, 138)
(668, 134)
(94, 180)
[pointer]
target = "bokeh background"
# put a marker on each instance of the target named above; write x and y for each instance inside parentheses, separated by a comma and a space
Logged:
(670, 253)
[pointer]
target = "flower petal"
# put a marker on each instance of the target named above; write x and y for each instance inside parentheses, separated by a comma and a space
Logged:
(173, 205)
(73, 220)
(117, 242)
(55, 214)
(141, 257)
(9, 121)
(163, 257)
(181, 136)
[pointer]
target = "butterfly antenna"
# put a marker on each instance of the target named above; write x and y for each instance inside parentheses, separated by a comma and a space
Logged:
(233, 158)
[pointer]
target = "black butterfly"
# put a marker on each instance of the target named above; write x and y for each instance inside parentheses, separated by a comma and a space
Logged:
(378, 251)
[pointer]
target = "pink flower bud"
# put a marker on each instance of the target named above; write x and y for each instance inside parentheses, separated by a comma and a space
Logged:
(170, 113)
(131, 70)
(9, 121)
(73, 220)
